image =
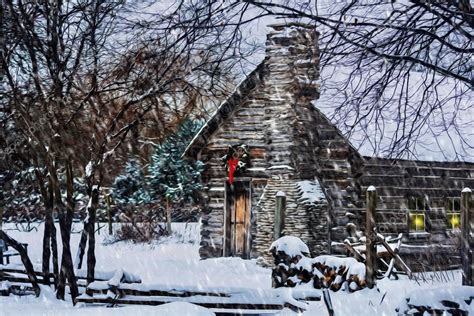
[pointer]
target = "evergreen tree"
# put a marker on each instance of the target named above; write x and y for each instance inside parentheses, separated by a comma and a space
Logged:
(172, 177)
(130, 186)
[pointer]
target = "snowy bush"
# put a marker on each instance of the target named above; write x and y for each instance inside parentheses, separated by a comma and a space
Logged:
(293, 267)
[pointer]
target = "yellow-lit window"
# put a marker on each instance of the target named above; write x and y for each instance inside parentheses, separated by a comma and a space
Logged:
(417, 222)
(418, 206)
(454, 220)
(453, 214)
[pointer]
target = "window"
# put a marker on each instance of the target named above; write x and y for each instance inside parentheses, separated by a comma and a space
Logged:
(417, 222)
(416, 214)
(453, 213)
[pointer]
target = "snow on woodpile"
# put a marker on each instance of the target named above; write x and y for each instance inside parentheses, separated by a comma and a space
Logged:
(450, 300)
(311, 192)
(291, 246)
(340, 272)
(352, 266)
(294, 267)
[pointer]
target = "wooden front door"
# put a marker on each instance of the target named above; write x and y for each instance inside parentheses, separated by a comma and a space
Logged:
(237, 232)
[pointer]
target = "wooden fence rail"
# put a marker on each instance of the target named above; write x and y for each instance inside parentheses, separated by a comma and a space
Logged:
(235, 301)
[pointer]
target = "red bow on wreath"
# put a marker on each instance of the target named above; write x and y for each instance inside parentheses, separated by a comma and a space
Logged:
(232, 163)
(236, 160)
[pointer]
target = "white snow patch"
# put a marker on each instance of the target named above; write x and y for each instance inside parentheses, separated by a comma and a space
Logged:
(435, 296)
(184, 309)
(311, 191)
(89, 169)
(280, 167)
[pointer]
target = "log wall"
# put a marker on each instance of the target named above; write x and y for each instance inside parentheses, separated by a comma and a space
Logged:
(274, 112)
(270, 112)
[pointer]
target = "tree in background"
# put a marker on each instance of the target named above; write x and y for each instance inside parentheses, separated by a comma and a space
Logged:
(130, 186)
(79, 80)
(171, 177)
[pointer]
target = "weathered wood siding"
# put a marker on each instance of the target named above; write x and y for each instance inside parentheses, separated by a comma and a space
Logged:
(271, 112)
(397, 181)
(274, 112)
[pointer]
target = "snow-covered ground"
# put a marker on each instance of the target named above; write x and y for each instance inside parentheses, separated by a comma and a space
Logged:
(175, 262)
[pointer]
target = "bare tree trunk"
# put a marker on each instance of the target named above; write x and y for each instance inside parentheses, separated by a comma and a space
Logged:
(91, 234)
(65, 224)
(54, 248)
(46, 251)
(67, 269)
(52, 231)
(48, 200)
(81, 250)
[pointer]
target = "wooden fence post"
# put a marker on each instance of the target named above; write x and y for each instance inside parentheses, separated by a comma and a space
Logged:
(467, 241)
(371, 238)
(280, 208)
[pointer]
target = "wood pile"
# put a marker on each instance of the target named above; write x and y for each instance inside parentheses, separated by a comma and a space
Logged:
(294, 267)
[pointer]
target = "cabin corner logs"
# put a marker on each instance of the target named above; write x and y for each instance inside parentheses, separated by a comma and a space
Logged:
(273, 114)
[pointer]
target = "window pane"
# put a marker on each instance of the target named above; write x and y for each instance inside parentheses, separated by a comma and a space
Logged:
(454, 220)
(417, 222)
(454, 204)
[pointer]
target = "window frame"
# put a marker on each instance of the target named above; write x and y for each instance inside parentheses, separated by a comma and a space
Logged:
(417, 206)
(415, 214)
(453, 209)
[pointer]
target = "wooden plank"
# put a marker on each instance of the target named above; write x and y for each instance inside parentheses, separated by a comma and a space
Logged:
(390, 269)
(24, 259)
(280, 210)
(357, 255)
(240, 210)
(467, 239)
(156, 302)
(174, 293)
(22, 271)
(395, 255)
(371, 238)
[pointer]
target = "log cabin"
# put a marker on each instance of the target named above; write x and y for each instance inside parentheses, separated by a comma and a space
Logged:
(269, 138)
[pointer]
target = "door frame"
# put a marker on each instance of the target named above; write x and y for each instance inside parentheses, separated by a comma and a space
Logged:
(229, 203)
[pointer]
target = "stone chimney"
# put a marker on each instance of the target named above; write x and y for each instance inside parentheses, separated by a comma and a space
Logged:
(294, 47)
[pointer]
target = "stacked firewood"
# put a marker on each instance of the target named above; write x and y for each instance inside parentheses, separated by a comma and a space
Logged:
(293, 267)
